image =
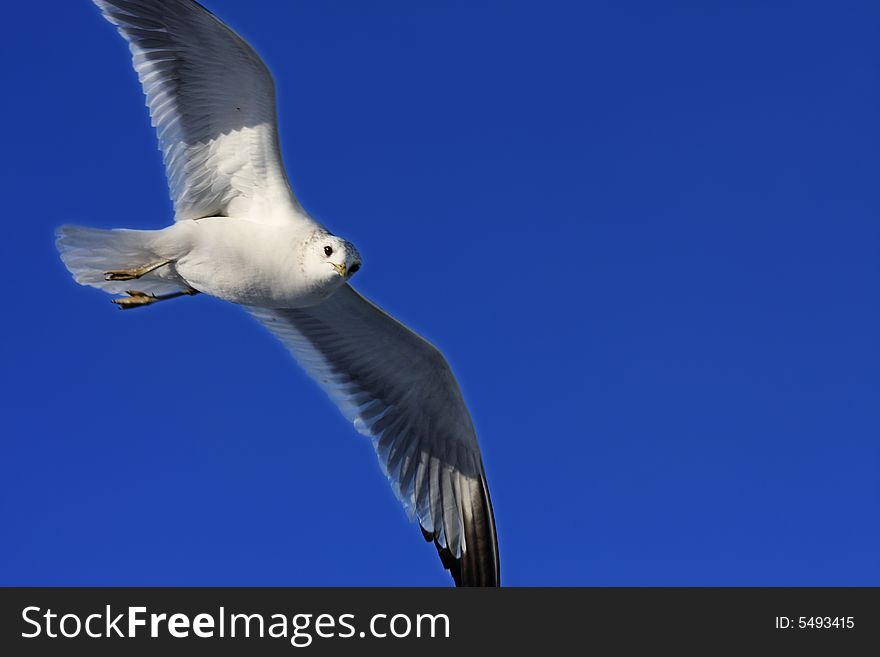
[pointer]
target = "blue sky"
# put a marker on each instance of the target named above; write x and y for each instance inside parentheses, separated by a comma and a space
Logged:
(645, 235)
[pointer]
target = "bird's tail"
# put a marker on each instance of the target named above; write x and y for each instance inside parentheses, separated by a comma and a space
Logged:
(89, 253)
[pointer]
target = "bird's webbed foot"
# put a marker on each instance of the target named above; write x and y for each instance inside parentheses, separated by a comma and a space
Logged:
(135, 272)
(137, 299)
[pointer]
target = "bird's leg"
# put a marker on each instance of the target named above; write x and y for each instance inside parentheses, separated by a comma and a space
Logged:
(137, 299)
(135, 272)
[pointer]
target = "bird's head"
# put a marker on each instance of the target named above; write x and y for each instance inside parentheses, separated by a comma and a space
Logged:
(330, 260)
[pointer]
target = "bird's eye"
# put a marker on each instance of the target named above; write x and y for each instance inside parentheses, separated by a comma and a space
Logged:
(328, 251)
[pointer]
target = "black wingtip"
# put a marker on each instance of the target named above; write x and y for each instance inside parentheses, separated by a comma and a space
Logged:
(479, 564)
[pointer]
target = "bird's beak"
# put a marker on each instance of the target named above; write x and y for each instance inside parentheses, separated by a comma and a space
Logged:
(340, 269)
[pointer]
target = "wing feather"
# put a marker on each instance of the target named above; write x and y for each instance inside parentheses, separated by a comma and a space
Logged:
(398, 389)
(212, 102)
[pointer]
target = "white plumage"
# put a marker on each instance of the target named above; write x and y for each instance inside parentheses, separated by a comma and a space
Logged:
(212, 102)
(240, 234)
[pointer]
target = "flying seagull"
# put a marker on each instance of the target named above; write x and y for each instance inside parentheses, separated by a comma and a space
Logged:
(240, 234)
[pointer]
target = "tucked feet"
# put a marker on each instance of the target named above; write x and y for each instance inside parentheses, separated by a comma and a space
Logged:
(133, 273)
(137, 299)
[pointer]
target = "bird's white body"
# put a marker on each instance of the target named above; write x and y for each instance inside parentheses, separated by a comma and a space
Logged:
(237, 260)
(243, 262)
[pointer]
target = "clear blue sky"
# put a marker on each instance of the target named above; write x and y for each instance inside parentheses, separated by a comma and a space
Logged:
(646, 237)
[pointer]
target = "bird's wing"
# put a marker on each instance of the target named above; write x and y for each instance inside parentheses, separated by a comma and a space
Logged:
(398, 389)
(212, 102)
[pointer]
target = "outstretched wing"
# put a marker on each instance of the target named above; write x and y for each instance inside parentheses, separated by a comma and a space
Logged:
(398, 389)
(212, 102)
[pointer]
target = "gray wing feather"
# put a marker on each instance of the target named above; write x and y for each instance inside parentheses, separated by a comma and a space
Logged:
(212, 102)
(398, 389)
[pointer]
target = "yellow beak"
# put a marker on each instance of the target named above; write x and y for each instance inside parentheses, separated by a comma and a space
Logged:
(340, 269)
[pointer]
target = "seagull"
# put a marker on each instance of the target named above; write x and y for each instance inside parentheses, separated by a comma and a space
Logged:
(240, 234)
